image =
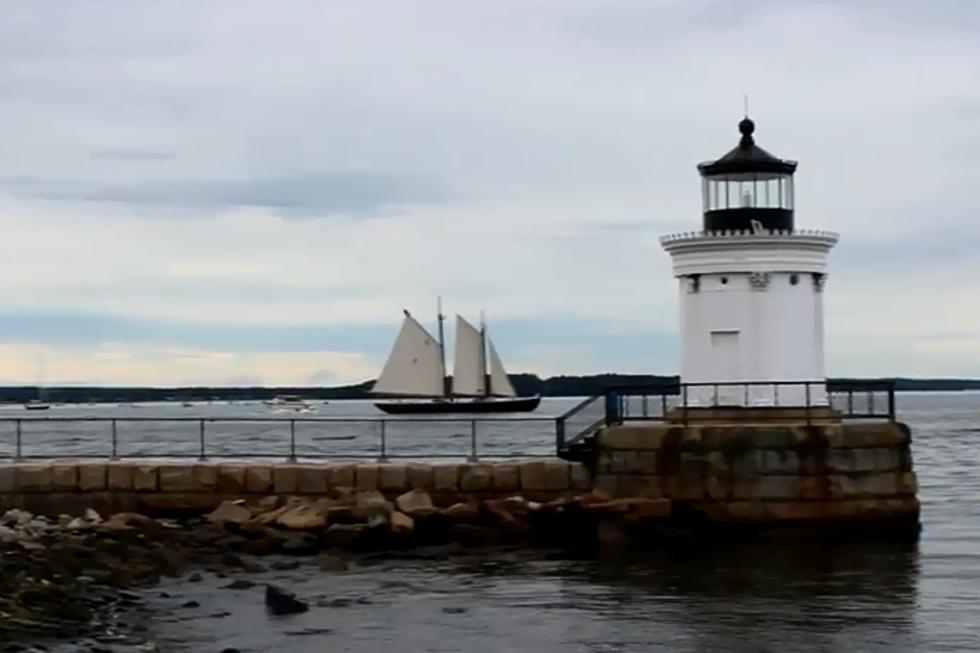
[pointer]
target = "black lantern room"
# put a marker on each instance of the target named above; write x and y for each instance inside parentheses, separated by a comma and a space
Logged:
(747, 188)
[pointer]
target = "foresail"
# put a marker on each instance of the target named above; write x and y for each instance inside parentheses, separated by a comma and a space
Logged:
(469, 376)
(500, 385)
(414, 366)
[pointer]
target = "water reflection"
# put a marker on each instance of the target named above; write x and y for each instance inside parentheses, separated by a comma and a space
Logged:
(737, 599)
(745, 598)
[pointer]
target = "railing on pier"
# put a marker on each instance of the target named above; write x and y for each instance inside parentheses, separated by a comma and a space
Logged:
(116, 438)
(851, 399)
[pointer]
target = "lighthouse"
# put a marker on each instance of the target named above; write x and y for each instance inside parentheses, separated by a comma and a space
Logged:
(751, 287)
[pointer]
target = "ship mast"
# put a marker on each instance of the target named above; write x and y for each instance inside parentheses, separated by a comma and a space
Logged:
(442, 347)
(487, 391)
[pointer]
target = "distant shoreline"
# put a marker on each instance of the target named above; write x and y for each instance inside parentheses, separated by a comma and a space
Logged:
(525, 384)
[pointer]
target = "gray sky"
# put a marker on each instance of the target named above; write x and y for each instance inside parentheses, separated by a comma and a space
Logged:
(211, 192)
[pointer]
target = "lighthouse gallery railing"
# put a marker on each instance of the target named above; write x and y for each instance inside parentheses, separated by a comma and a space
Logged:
(850, 398)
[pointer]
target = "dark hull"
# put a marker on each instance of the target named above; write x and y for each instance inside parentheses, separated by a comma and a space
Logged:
(488, 406)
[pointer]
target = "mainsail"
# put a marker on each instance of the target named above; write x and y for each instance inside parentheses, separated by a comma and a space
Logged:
(476, 364)
(500, 385)
(469, 361)
(414, 366)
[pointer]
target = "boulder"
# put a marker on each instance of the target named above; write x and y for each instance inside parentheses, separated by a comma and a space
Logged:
(370, 503)
(401, 524)
(632, 507)
(462, 512)
(302, 518)
(414, 500)
(233, 512)
(124, 521)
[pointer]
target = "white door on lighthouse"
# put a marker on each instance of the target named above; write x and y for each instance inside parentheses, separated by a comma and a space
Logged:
(727, 366)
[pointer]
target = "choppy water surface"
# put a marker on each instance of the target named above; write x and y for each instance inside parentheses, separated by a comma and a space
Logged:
(846, 599)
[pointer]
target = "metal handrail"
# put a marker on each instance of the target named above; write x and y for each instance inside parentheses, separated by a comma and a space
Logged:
(381, 453)
(850, 388)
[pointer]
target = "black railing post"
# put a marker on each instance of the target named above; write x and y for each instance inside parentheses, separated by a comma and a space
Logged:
(559, 434)
(806, 389)
(114, 430)
(292, 440)
(383, 458)
(745, 398)
(613, 407)
(775, 394)
(684, 402)
(473, 456)
(871, 403)
(891, 402)
(19, 440)
(645, 405)
(715, 405)
(202, 441)
(663, 404)
(850, 402)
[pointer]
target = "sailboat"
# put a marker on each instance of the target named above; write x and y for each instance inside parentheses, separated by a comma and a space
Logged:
(416, 368)
(40, 402)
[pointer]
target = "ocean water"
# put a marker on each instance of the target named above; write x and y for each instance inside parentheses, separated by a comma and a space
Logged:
(849, 599)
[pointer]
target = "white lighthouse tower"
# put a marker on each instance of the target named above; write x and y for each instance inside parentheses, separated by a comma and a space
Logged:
(751, 287)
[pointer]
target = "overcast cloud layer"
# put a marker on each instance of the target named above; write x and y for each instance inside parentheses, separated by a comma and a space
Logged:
(250, 191)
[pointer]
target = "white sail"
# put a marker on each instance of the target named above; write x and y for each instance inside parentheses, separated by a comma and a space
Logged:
(500, 385)
(414, 366)
(469, 363)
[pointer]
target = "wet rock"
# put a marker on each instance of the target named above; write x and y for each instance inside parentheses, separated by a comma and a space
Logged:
(436, 552)
(300, 544)
(329, 562)
(240, 584)
(269, 543)
(281, 602)
(305, 632)
(343, 536)
(472, 536)
(284, 565)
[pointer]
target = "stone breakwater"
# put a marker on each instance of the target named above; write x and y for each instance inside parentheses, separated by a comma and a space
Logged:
(70, 575)
(159, 487)
(844, 479)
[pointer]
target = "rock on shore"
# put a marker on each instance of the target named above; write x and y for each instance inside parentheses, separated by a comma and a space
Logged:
(64, 576)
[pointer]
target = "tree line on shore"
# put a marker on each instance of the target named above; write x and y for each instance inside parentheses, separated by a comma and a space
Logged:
(525, 384)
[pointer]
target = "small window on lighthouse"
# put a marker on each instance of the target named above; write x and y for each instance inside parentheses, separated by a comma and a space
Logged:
(794, 279)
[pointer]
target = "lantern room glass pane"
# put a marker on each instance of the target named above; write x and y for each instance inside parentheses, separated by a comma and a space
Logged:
(764, 191)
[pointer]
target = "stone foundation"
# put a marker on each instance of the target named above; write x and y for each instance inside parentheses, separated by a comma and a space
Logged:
(844, 479)
(140, 486)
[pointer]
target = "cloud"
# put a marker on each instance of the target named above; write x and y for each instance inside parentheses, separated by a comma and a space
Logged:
(133, 154)
(519, 157)
(354, 193)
